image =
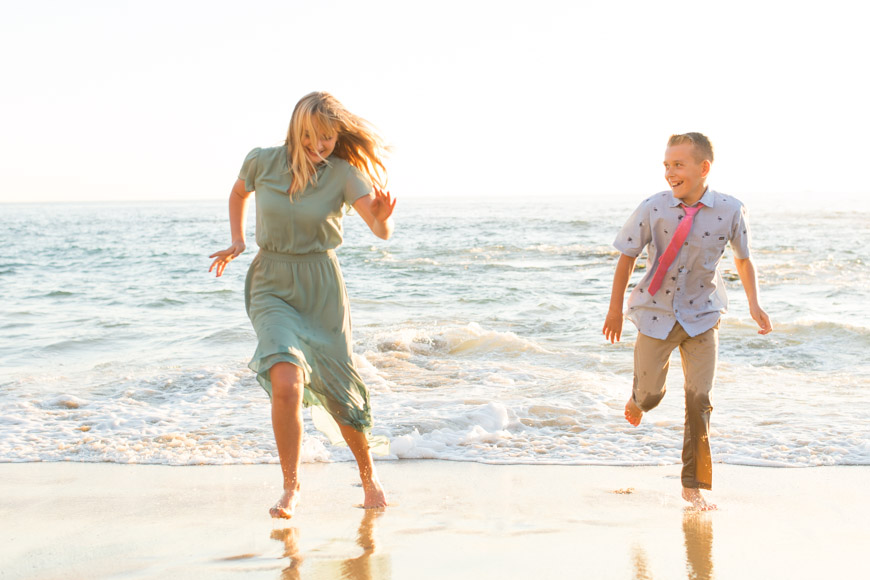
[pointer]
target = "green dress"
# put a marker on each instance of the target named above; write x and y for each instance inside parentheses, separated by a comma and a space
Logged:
(294, 292)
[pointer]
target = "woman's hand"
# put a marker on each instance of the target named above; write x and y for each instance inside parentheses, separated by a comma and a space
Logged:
(224, 257)
(382, 205)
(376, 209)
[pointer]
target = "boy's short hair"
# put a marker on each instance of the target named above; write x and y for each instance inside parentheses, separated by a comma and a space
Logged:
(703, 147)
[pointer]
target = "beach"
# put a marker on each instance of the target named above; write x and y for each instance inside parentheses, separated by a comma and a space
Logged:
(136, 443)
(445, 520)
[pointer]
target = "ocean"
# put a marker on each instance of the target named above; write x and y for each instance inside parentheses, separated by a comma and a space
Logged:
(477, 328)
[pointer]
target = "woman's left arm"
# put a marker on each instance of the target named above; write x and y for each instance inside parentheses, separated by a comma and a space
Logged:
(376, 209)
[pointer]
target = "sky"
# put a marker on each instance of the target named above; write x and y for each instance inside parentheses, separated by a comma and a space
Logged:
(161, 100)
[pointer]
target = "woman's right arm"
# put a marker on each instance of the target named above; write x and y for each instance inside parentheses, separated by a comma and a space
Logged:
(238, 212)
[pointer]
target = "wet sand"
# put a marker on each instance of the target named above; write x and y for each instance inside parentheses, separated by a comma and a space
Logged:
(446, 520)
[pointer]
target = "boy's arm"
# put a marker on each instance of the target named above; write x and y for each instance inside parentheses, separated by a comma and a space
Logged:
(746, 271)
(613, 323)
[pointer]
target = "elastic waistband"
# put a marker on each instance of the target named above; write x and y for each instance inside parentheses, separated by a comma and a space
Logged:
(311, 257)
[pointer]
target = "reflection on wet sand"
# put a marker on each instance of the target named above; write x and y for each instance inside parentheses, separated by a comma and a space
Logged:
(698, 533)
(367, 566)
(641, 566)
(290, 537)
(698, 537)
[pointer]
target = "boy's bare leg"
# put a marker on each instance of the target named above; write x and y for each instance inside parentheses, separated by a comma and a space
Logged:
(287, 388)
(359, 446)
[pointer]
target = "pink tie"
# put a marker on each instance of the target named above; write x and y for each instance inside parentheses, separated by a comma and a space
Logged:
(667, 257)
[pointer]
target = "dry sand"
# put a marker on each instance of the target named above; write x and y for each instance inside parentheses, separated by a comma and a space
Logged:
(446, 520)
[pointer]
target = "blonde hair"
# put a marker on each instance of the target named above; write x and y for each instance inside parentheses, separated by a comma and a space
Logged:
(703, 147)
(358, 143)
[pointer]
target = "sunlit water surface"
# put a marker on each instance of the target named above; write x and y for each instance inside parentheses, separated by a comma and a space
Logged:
(477, 328)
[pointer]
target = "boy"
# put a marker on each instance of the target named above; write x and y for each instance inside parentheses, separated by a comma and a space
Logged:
(679, 301)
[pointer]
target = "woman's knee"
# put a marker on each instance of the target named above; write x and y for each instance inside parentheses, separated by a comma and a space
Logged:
(287, 382)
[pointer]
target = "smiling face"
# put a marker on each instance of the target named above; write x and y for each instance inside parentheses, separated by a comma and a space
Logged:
(319, 146)
(686, 175)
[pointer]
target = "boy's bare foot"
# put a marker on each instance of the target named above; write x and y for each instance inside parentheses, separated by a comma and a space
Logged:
(633, 414)
(286, 506)
(694, 497)
(375, 496)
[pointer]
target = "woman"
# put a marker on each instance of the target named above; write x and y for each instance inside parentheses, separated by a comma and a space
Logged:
(294, 292)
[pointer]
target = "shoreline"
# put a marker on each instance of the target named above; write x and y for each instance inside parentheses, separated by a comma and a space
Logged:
(445, 520)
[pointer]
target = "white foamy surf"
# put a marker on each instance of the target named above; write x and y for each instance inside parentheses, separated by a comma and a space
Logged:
(477, 330)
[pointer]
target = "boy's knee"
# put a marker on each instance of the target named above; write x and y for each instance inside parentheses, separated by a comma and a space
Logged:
(647, 399)
(648, 402)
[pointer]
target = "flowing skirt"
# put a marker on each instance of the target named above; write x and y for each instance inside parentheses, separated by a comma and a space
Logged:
(299, 308)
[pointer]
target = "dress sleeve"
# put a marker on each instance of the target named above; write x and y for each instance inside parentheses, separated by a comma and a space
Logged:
(740, 238)
(635, 234)
(357, 186)
(249, 170)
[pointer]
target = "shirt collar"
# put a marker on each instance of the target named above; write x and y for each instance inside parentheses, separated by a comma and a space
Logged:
(708, 199)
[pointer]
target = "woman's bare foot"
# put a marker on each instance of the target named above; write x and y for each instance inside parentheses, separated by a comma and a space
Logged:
(633, 414)
(694, 497)
(286, 506)
(375, 496)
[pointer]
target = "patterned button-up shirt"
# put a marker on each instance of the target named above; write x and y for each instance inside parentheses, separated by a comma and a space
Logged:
(692, 292)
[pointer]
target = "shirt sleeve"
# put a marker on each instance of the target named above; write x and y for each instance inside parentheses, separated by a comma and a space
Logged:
(635, 234)
(357, 186)
(740, 238)
(249, 170)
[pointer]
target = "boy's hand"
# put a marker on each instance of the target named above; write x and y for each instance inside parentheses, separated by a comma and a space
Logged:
(746, 271)
(761, 318)
(613, 326)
